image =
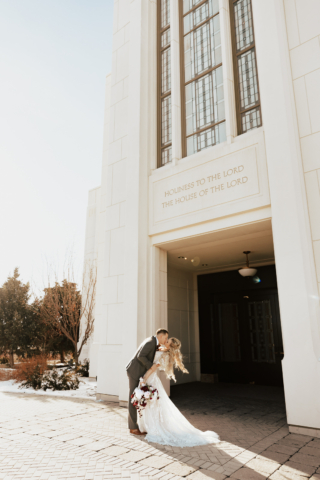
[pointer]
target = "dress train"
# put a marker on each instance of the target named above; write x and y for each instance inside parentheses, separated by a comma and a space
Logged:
(164, 423)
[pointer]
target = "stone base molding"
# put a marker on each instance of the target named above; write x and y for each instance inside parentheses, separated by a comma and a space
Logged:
(311, 432)
(107, 398)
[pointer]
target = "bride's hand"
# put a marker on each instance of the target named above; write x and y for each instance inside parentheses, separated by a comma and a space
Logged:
(142, 382)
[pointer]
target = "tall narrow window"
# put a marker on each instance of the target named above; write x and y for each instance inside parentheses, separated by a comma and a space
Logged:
(204, 122)
(164, 95)
(245, 66)
(261, 332)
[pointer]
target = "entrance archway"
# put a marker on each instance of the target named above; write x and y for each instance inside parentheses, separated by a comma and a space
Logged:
(229, 326)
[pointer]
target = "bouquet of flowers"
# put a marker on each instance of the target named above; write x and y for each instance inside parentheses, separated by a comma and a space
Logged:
(142, 395)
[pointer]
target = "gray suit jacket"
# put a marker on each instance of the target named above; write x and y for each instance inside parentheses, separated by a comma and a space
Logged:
(143, 358)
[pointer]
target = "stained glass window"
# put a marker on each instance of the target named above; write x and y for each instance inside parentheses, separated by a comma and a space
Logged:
(261, 331)
(247, 85)
(203, 78)
(229, 332)
(165, 84)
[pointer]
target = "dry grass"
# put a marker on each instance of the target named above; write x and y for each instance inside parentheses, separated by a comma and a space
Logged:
(6, 374)
(25, 369)
(28, 366)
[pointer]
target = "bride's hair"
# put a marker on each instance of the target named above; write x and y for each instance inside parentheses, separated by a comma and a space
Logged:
(174, 359)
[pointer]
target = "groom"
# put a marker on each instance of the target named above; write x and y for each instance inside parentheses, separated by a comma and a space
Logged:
(137, 367)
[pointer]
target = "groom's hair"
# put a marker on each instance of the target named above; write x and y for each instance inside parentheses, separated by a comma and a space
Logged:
(162, 331)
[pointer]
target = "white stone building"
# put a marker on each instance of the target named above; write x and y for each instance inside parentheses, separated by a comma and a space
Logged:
(212, 148)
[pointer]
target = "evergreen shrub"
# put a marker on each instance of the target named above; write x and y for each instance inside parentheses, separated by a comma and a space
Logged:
(60, 380)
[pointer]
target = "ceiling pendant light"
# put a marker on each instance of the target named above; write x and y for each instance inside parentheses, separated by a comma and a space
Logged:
(247, 271)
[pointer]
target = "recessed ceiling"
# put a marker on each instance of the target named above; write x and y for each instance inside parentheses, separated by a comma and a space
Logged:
(223, 250)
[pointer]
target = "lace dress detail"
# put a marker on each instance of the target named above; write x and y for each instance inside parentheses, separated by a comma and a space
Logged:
(162, 358)
(164, 423)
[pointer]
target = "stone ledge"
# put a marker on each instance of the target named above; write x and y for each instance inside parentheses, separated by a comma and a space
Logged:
(107, 398)
(311, 432)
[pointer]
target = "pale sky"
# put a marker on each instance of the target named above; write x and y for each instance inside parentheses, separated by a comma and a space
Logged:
(54, 57)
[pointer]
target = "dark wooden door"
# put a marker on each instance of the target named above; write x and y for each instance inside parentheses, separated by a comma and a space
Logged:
(246, 337)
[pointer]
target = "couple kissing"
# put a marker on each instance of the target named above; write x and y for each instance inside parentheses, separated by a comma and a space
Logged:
(159, 419)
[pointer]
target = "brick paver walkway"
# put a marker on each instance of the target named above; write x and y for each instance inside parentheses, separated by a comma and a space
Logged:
(57, 438)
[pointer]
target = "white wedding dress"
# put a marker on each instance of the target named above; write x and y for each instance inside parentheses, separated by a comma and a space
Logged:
(164, 423)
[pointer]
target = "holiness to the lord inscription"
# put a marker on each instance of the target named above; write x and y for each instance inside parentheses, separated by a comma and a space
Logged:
(205, 186)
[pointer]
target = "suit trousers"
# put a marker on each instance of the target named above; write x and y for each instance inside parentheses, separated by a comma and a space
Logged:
(132, 411)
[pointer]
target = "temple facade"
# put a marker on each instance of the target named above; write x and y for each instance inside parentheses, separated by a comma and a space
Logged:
(212, 149)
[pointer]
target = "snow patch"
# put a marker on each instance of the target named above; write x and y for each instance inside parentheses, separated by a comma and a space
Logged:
(87, 389)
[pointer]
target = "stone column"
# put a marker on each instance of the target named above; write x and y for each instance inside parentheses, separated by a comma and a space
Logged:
(296, 274)
(137, 318)
(159, 301)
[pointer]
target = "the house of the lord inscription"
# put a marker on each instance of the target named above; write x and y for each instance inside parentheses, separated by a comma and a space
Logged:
(205, 186)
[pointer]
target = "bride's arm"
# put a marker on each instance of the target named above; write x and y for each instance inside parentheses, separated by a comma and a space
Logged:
(164, 361)
(155, 366)
(150, 371)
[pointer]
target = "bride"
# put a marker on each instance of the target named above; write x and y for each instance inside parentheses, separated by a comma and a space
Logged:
(160, 419)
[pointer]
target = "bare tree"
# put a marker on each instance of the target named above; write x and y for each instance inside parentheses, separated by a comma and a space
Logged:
(69, 311)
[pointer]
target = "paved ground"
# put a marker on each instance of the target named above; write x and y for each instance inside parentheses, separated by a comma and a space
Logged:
(56, 438)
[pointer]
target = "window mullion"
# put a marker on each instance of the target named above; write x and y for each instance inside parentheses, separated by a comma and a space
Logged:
(245, 66)
(228, 73)
(164, 83)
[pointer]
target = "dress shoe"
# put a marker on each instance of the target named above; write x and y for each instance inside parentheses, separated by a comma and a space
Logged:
(137, 432)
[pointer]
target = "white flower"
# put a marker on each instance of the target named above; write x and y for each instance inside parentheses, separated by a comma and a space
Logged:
(138, 393)
(147, 394)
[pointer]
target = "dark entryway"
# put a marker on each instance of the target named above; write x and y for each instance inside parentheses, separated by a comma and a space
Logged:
(240, 330)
